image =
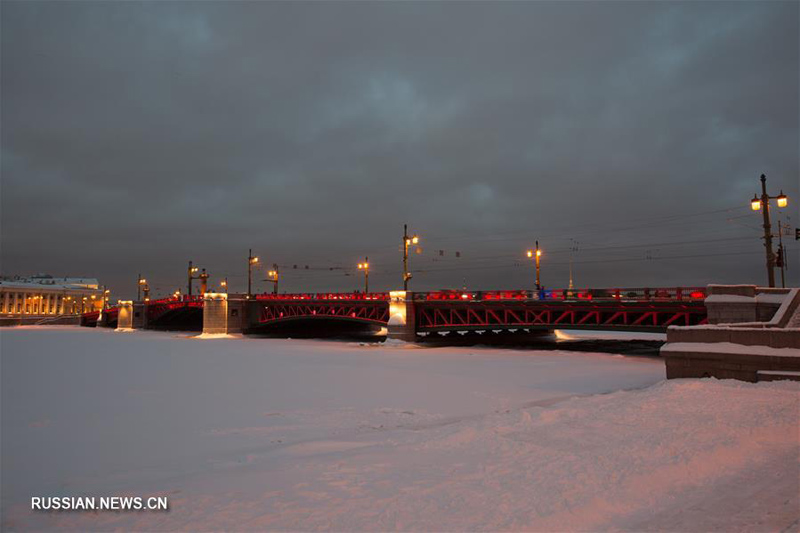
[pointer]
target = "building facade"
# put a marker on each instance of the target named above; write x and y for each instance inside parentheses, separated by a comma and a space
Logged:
(47, 296)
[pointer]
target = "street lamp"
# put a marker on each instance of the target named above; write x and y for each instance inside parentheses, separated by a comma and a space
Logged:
(250, 262)
(203, 282)
(273, 278)
(192, 271)
(536, 254)
(408, 241)
(757, 204)
(224, 285)
(365, 267)
(140, 284)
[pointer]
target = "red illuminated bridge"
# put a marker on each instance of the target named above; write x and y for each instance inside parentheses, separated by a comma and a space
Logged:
(408, 315)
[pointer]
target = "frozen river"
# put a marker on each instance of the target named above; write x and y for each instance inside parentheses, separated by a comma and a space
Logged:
(253, 434)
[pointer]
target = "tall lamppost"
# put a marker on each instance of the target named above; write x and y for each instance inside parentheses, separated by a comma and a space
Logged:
(763, 203)
(192, 271)
(203, 282)
(365, 267)
(140, 284)
(273, 278)
(250, 262)
(408, 241)
(224, 284)
(536, 253)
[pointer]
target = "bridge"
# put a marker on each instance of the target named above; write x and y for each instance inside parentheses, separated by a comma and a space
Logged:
(415, 315)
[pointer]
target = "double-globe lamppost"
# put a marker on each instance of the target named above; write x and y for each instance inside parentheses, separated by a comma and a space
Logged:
(192, 270)
(408, 241)
(274, 277)
(365, 267)
(536, 254)
(763, 204)
(142, 287)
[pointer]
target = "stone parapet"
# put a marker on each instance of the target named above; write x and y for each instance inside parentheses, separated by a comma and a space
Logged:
(770, 337)
(694, 360)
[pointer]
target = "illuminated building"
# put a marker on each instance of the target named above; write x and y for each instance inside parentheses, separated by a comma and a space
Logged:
(44, 295)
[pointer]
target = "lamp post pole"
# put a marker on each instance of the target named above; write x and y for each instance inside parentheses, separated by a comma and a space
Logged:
(763, 203)
(767, 232)
(250, 262)
(781, 254)
(365, 267)
(536, 254)
(191, 271)
(407, 242)
(406, 275)
(249, 272)
(274, 276)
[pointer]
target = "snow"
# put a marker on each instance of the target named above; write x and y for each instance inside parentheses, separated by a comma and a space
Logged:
(206, 336)
(779, 373)
(33, 284)
(771, 298)
(254, 434)
(576, 334)
(783, 309)
(729, 347)
(729, 298)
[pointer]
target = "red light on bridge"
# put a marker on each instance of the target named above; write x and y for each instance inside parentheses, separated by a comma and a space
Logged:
(699, 295)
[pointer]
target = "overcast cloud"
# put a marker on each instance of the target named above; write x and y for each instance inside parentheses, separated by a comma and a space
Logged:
(139, 135)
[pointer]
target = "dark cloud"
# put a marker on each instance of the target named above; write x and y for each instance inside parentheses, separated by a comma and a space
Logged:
(139, 135)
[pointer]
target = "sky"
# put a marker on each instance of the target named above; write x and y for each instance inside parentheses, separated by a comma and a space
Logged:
(627, 138)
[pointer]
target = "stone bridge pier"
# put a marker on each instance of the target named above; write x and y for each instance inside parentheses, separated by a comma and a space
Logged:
(224, 313)
(132, 315)
(402, 319)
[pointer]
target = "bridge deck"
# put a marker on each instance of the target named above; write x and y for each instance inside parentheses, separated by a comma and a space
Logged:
(639, 309)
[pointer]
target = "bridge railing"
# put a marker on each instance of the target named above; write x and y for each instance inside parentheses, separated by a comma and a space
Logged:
(612, 294)
(368, 296)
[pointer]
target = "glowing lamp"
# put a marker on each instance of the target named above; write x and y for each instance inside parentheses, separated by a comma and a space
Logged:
(538, 253)
(755, 203)
(530, 253)
(415, 240)
(783, 200)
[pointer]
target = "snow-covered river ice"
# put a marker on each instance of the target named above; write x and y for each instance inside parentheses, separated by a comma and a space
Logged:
(246, 434)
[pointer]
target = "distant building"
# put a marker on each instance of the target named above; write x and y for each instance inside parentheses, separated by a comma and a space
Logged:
(43, 295)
